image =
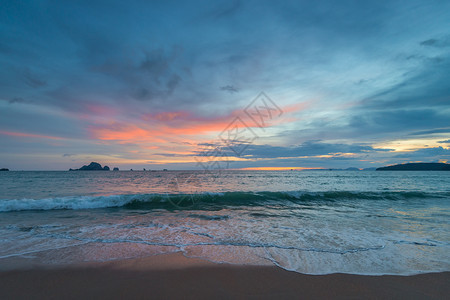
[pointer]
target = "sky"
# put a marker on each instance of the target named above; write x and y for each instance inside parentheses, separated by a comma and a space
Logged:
(240, 84)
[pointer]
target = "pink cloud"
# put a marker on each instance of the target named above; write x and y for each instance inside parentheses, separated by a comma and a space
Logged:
(30, 135)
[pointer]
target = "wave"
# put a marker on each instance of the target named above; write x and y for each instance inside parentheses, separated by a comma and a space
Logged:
(209, 201)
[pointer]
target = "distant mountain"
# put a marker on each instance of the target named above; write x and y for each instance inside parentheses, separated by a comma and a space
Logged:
(352, 169)
(4, 169)
(348, 169)
(417, 167)
(93, 166)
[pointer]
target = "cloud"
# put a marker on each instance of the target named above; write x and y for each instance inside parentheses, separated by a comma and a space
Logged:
(166, 125)
(29, 135)
(168, 154)
(426, 154)
(229, 88)
(432, 131)
(32, 80)
(427, 87)
(115, 78)
(306, 149)
(400, 120)
(225, 10)
(439, 43)
(312, 148)
(17, 100)
(444, 142)
(158, 66)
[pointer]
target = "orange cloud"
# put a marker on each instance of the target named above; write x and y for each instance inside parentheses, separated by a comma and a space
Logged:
(167, 116)
(162, 126)
(123, 132)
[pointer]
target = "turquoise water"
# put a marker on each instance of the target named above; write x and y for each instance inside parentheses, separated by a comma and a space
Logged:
(314, 222)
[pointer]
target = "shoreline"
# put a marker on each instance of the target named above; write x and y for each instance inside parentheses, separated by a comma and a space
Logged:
(173, 276)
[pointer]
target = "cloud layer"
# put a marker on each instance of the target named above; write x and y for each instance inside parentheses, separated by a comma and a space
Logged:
(147, 84)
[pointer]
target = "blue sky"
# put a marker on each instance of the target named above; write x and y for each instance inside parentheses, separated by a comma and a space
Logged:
(155, 83)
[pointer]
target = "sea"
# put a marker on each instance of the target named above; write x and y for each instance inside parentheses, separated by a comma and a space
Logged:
(311, 222)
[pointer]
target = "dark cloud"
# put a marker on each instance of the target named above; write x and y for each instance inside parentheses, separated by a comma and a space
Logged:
(157, 75)
(430, 42)
(439, 43)
(33, 80)
(229, 88)
(444, 142)
(432, 131)
(309, 148)
(416, 105)
(225, 10)
(428, 88)
(168, 154)
(157, 63)
(371, 126)
(172, 83)
(398, 120)
(17, 100)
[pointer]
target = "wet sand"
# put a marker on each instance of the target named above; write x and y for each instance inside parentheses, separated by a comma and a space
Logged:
(174, 276)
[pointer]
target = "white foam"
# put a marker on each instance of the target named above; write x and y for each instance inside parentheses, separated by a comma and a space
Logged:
(77, 202)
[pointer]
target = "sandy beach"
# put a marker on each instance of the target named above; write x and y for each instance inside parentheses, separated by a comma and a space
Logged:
(224, 149)
(173, 276)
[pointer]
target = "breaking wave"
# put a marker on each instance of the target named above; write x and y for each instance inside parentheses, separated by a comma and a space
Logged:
(207, 201)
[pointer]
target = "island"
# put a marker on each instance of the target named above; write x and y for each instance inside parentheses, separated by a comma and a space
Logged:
(4, 169)
(93, 166)
(417, 167)
(116, 169)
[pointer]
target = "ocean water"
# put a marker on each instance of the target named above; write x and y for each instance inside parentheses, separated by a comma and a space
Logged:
(313, 222)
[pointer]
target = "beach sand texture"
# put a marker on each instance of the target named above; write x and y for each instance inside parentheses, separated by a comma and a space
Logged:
(173, 276)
